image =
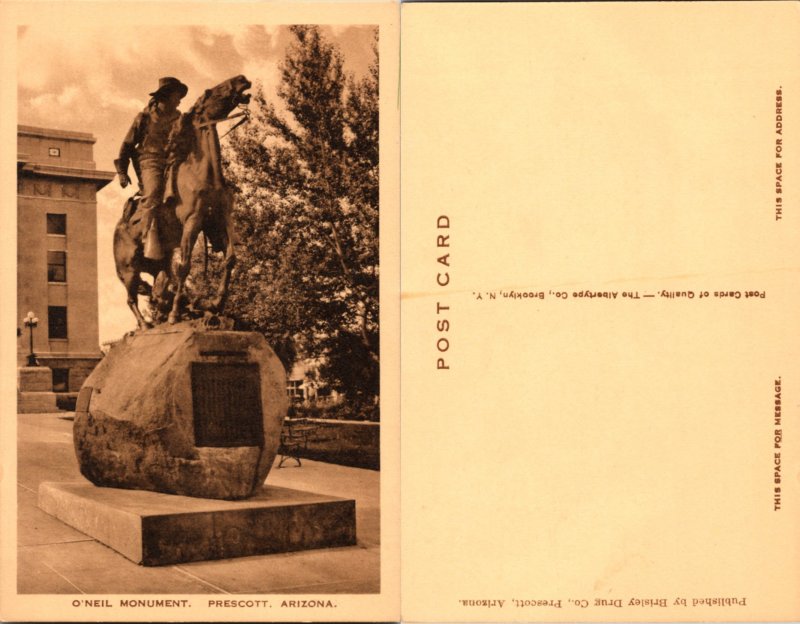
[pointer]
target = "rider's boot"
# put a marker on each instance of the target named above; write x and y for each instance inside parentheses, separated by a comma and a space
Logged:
(152, 242)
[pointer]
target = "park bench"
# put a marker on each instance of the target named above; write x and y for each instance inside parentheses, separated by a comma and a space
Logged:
(295, 435)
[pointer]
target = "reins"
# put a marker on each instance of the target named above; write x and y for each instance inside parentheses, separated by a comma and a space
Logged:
(245, 115)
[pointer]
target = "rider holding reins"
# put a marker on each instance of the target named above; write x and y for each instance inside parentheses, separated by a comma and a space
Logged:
(146, 146)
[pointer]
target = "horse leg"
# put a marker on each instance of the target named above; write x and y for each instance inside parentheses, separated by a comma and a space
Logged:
(125, 260)
(160, 302)
(230, 258)
(132, 283)
(181, 268)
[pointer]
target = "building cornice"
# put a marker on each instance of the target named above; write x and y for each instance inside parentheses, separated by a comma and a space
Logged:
(68, 355)
(50, 133)
(46, 198)
(100, 178)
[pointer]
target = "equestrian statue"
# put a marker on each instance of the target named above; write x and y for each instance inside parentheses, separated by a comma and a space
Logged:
(182, 192)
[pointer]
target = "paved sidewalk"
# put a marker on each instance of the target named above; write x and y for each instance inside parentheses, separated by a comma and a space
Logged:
(54, 558)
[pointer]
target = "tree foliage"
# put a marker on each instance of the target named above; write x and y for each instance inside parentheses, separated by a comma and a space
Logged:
(306, 172)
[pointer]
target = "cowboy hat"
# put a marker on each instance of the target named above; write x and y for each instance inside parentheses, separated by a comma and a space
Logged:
(168, 83)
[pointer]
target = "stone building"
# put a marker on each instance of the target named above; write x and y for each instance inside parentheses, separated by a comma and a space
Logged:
(57, 183)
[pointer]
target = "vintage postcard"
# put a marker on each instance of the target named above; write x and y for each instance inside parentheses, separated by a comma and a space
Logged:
(600, 304)
(572, 226)
(202, 264)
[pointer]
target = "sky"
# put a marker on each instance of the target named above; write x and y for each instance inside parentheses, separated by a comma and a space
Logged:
(95, 79)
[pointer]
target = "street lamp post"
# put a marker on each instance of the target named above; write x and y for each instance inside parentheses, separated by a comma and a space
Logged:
(30, 322)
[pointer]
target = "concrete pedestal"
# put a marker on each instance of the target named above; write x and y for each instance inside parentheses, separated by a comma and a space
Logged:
(151, 528)
(35, 390)
(34, 379)
(36, 402)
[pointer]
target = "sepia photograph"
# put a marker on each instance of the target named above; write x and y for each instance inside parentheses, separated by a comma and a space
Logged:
(199, 313)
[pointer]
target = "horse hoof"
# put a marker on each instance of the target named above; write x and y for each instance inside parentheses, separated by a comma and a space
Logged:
(173, 318)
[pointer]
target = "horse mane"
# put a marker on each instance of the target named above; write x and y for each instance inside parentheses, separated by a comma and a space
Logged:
(181, 138)
(199, 106)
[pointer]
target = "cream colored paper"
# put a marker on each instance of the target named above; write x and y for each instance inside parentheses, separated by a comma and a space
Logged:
(596, 458)
(64, 20)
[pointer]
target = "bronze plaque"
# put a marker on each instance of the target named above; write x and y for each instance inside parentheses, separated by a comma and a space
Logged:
(227, 404)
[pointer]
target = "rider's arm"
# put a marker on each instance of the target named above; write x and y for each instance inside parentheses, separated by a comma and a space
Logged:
(127, 150)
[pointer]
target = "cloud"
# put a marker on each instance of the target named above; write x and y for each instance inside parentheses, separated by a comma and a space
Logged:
(249, 41)
(67, 97)
(337, 30)
(123, 60)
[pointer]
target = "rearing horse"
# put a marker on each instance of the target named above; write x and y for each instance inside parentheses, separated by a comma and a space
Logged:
(202, 200)
(197, 200)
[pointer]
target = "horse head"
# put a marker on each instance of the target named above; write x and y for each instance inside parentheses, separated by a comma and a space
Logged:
(217, 103)
(213, 106)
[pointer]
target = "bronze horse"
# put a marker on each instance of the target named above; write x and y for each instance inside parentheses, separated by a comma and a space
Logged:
(197, 200)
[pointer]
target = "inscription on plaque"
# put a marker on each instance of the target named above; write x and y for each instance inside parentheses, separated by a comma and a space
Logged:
(227, 404)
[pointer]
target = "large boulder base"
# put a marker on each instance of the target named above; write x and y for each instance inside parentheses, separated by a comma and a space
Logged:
(183, 410)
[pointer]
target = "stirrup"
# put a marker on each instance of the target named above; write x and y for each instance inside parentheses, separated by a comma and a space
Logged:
(152, 244)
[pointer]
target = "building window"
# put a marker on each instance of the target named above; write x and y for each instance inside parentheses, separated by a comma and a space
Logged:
(294, 389)
(57, 322)
(57, 224)
(56, 266)
(60, 380)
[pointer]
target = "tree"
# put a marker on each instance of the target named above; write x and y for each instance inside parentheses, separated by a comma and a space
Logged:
(307, 213)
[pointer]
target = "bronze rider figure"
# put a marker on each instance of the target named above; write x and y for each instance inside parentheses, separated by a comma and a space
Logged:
(145, 146)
